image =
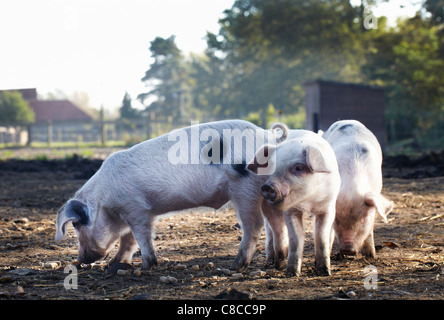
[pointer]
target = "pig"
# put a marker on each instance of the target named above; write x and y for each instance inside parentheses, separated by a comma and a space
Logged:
(305, 179)
(200, 165)
(359, 158)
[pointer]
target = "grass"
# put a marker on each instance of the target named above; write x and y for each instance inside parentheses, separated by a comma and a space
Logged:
(78, 144)
(71, 144)
(61, 150)
(7, 154)
(413, 148)
(41, 151)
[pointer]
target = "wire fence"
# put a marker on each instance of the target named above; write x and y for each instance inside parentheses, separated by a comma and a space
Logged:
(96, 132)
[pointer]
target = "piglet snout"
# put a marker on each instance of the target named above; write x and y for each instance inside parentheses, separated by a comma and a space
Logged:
(272, 193)
(348, 248)
(90, 256)
(269, 192)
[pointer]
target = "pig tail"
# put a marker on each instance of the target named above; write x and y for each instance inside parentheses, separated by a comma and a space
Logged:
(284, 130)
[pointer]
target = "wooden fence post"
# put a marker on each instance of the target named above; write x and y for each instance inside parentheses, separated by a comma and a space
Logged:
(49, 133)
(102, 126)
(29, 129)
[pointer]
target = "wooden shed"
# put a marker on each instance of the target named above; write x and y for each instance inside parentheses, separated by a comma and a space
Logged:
(327, 102)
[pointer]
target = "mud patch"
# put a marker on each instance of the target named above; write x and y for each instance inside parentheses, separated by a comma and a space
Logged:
(196, 248)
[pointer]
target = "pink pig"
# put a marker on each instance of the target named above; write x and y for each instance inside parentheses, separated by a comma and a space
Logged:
(359, 159)
(305, 178)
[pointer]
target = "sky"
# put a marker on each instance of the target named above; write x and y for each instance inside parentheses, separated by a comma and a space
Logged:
(101, 47)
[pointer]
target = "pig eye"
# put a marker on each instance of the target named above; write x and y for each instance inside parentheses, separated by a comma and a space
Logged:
(76, 225)
(297, 169)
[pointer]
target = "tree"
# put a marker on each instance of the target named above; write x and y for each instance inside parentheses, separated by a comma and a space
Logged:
(436, 9)
(167, 79)
(211, 78)
(273, 47)
(408, 62)
(13, 108)
(266, 50)
(126, 110)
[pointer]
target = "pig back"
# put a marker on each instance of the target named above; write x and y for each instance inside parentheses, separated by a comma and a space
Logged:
(144, 175)
(358, 154)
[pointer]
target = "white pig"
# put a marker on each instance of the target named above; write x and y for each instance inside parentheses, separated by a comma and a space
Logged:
(359, 158)
(201, 165)
(305, 179)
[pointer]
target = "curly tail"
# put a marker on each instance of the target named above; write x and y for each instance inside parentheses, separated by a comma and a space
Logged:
(284, 130)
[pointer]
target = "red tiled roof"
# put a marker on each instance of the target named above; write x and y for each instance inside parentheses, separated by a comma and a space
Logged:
(54, 110)
(57, 110)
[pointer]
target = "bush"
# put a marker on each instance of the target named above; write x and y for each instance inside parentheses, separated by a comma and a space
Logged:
(13, 108)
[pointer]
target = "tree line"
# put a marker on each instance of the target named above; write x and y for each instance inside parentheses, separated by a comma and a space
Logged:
(256, 66)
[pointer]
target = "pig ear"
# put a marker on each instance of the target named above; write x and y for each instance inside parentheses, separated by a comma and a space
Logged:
(382, 205)
(74, 211)
(315, 161)
(261, 163)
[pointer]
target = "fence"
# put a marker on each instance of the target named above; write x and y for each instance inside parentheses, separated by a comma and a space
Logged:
(100, 132)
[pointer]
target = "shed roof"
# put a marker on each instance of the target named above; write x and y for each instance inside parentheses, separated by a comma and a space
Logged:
(57, 110)
(344, 84)
(27, 94)
(54, 110)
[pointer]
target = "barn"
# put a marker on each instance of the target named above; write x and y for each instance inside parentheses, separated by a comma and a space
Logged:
(328, 101)
(61, 119)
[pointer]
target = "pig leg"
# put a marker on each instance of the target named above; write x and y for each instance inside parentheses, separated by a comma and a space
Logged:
(275, 221)
(252, 222)
(141, 224)
(269, 250)
(295, 225)
(368, 248)
(128, 245)
(323, 230)
(332, 239)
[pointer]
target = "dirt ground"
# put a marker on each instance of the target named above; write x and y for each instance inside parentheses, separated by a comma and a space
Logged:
(195, 249)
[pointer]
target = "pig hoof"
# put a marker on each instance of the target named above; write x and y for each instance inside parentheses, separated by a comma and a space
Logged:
(149, 263)
(369, 254)
(293, 273)
(238, 264)
(323, 271)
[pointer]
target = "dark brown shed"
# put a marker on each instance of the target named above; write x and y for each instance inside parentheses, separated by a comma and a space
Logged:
(327, 102)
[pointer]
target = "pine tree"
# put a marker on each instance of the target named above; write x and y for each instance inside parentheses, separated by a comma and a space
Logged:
(126, 110)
